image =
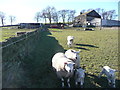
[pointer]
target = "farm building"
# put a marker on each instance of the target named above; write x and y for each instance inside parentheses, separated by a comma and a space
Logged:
(55, 25)
(88, 18)
(110, 23)
(30, 25)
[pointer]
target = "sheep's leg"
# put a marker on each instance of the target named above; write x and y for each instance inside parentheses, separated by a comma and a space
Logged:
(109, 80)
(82, 81)
(62, 82)
(114, 83)
(76, 83)
(68, 82)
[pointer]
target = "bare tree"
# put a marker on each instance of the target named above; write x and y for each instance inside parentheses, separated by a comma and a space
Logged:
(90, 9)
(111, 14)
(50, 12)
(44, 15)
(71, 15)
(55, 17)
(2, 17)
(12, 19)
(63, 14)
(37, 17)
(98, 10)
(102, 13)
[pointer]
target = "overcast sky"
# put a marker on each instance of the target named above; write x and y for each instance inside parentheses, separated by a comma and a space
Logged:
(24, 10)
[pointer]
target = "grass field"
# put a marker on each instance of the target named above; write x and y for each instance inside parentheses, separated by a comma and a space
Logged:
(98, 48)
(6, 33)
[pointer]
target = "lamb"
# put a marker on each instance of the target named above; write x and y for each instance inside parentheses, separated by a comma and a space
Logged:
(70, 41)
(74, 56)
(79, 76)
(63, 66)
(110, 73)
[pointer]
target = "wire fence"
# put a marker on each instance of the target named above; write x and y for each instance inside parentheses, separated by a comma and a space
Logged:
(27, 36)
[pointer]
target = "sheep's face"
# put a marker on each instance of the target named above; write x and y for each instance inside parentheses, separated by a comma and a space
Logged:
(70, 37)
(69, 67)
(81, 72)
(112, 73)
(72, 54)
(112, 78)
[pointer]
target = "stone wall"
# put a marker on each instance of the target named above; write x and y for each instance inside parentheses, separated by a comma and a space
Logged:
(14, 52)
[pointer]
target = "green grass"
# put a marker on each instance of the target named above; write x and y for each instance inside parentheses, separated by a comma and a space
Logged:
(98, 48)
(6, 33)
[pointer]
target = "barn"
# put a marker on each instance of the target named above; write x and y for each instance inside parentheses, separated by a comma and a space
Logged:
(91, 18)
(30, 25)
(110, 23)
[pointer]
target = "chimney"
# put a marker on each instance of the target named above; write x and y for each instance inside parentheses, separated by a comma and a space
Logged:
(81, 13)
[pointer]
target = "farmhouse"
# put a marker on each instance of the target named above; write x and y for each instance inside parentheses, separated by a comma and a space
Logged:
(88, 18)
(30, 25)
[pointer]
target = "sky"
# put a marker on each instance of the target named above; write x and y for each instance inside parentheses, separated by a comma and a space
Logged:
(25, 10)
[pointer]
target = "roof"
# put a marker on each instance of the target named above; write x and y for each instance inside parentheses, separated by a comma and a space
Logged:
(86, 12)
(92, 13)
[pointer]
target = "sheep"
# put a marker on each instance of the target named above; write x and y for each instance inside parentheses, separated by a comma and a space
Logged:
(70, 41)
(74, 56)
(63, 66)
(110, 73)
(79, 76)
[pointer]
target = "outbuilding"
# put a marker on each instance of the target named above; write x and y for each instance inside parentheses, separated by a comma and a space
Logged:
(90, 18)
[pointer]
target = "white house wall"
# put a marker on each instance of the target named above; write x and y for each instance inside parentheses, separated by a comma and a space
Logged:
(96, 21)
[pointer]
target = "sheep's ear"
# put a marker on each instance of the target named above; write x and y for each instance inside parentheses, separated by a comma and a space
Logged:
(115, 70)
(79, 51)
(72, 50)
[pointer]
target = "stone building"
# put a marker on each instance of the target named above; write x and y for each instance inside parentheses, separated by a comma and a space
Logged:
(91, 18)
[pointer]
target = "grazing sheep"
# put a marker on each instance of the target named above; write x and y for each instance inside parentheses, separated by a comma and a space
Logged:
(63, 66)
(79, 76)
(70, 41)
(74, 56)
(110, 73)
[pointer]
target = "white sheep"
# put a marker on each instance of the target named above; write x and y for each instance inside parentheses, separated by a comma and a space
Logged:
(63, 66)
(70, 41)
(79, 76)
(74, 56)
(110, 73)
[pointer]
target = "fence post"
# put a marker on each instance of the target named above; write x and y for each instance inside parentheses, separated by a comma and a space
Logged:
(26, 45)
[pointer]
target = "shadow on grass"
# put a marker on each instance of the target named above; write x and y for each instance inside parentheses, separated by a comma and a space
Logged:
(79, 46)
(98, 82)
(87, 45)
(82, 48)
(38, 66)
